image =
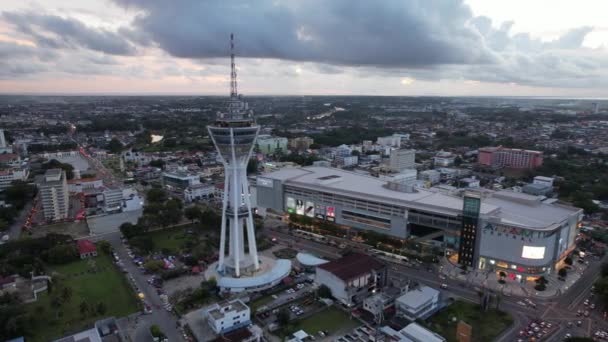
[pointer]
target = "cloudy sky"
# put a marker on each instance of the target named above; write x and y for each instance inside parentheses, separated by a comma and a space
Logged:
(342, 47)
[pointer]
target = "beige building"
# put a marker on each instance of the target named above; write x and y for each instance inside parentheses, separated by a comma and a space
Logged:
(402, 159)
(54, 194)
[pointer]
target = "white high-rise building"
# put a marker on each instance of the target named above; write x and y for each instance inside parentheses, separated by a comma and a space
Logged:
(2, 139)
(234, 134)
(402, 159)
(54, 194)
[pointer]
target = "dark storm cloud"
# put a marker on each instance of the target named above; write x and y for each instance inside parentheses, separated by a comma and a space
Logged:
(392, 33)
(55, 32)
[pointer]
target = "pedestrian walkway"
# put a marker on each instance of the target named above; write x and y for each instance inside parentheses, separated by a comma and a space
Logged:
(490, 280)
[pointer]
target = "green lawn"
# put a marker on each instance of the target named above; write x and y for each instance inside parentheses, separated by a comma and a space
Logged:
(107, 285)
(332, 319)
(171, 239)
(260, 302)
(486, 325)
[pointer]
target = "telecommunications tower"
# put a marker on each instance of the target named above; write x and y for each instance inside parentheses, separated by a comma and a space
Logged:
(234, 134)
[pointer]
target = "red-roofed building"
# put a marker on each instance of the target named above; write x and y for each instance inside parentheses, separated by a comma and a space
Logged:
(353, 277)
(86, 249)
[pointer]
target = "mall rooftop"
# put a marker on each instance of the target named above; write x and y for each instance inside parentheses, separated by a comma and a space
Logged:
(508, 207)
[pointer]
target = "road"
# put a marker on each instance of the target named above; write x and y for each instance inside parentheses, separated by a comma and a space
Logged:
(164, 319)
(559, 311)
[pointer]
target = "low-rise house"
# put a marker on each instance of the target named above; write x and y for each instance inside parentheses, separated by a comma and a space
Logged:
(86, 249)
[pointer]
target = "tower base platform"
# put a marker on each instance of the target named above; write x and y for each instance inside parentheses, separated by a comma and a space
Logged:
(270, 273)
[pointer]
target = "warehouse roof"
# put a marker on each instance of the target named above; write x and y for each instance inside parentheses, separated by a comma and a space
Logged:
(352, 266)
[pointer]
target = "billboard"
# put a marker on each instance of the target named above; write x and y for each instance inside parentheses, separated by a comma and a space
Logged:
(532, 252)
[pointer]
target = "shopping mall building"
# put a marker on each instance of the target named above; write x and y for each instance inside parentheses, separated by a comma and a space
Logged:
(493, 231)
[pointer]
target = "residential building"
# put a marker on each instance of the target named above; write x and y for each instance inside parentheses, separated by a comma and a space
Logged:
(469, 182)
(377, 304)
(537, 189)
(112, 199)
(10, 160)
(180, 179)
(509, 157)
(417, 303)
(406, 176)
(402, 159)
(80, 185)
(227, 316)
(268, 144)
(443, 159)
(394, 140)
(11, 175)
(543, 180)
(198, 191)
(431, 176)
(346, 161)
(90, 335)
(301, 143)
(511, 232)
(352, 278)
(413, 332)
(140, 158)
(86, 248)
(54, 194)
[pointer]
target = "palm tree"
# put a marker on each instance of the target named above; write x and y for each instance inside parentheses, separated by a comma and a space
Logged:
(84, 308)
(498, 298)
(56, 303)
(66, 294)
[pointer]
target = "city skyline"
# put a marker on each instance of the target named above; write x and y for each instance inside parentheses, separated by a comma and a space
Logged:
(452, 48)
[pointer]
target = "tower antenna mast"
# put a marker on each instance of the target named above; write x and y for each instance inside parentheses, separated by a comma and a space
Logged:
(233, 91)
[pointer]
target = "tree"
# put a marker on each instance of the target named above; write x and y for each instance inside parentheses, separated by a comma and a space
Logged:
(56, 304)
(252, 166)
(156, 332)
(62, 254)
(104, 246)
(84, 308)
(283, 317)
(66, 294)
(18, 193)
(159, 163)
(193, 213)
(143, 243)
(156, 195)
(563, 272)
(115, 146)
(101, 308)
(457, 161)
(604, 269)
(324, 292)
(130, 230)
(498, 299)
(56, 164)
(154, 265)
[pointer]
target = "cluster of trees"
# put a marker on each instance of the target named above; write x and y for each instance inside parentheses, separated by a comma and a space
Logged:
(56, 164)
(115, 146)
(582, 179)
(301, 159)
(601, 286)
(14, 319)
(350, 135)
(30, 255)
(17, 195)
(161, 210)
